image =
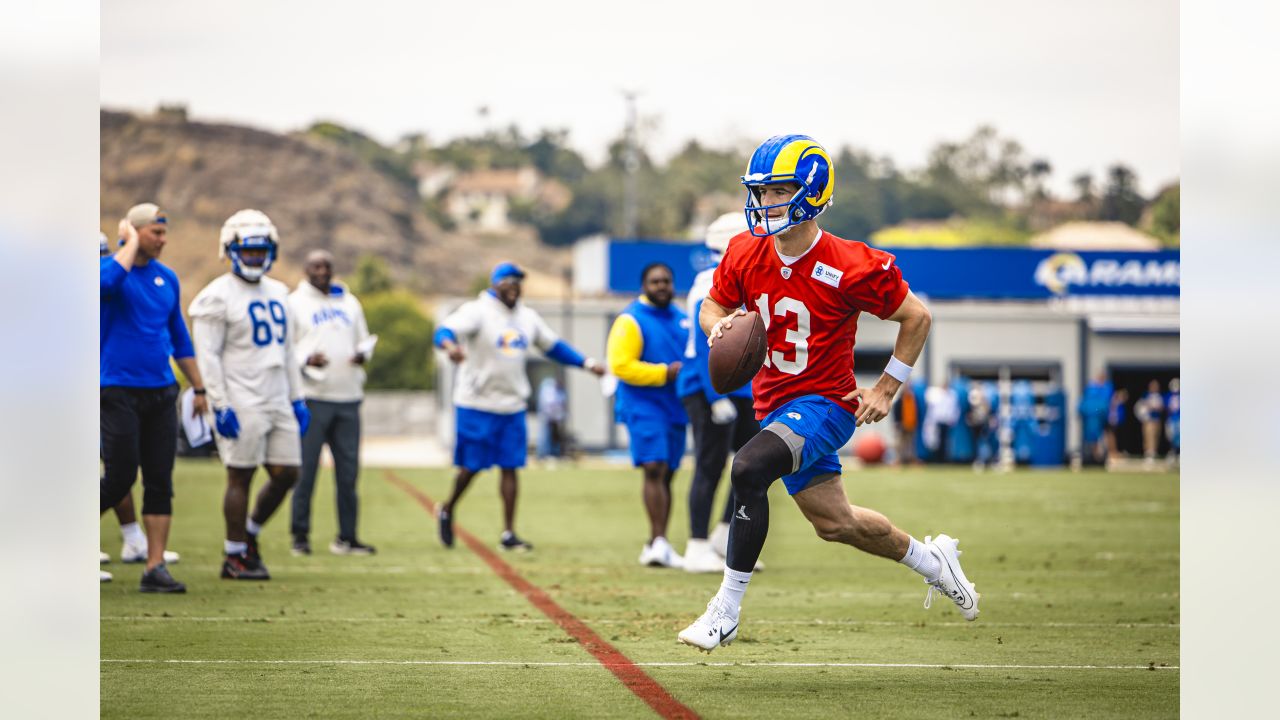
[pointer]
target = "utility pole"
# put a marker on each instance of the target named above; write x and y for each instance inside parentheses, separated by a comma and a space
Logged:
(631, 164)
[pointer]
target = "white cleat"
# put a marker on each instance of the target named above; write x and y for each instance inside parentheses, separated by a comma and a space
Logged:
(103, 558)
(659, 553)
(104, 576)
(699, 557)
(951, 581)
(138, 554)
(716, 627)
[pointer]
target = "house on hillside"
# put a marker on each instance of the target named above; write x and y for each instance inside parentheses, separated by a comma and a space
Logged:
(483, 200)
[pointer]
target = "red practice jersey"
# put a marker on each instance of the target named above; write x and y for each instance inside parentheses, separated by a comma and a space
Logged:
(810, 309)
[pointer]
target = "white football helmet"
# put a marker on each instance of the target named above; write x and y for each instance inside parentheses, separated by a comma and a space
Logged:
(248, 230)
(723, 229)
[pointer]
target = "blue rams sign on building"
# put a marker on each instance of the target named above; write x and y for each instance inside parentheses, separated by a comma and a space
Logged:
(978, 273)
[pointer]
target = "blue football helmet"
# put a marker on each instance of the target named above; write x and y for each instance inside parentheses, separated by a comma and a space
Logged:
(248, 230)
(782, 159)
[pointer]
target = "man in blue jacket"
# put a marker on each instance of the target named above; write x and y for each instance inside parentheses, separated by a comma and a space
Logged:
(720, 423)
(141, 328)
(645, 345)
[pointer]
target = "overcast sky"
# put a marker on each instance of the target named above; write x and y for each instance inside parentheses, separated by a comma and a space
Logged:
(1082, 83)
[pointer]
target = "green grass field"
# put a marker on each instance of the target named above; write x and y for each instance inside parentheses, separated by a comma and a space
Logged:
(1074, 569)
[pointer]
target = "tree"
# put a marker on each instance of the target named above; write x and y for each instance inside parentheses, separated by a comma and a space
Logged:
(1083, 183)
(371, 276)
(1037, 172)
(1120, 200)
(1166, 215)
(404, 359)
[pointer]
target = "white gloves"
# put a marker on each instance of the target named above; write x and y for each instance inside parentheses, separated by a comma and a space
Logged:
(723, 411)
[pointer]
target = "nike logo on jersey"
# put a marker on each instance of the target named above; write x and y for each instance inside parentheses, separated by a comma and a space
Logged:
(827, 275)
(742, 513)
(886, 264)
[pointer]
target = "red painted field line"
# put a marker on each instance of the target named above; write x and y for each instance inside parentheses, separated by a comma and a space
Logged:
(636, 679)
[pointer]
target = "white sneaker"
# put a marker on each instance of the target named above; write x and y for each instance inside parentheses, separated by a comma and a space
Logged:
(951, 581)
(720, 544)
(716, 627)
(104, 576)
(138, 554)
(700, 558)
(659, 553)
(720, 539)
(103, 558)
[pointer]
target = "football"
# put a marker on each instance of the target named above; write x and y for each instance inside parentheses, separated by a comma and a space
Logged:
(737, 357)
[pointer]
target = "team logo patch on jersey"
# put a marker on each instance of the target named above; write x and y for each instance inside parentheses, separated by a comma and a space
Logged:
(826, 274)
(786, 273)
(512, 342)
(159, 281)
(793, 415)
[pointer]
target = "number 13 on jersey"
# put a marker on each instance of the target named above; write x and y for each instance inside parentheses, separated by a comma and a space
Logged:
(798, 337)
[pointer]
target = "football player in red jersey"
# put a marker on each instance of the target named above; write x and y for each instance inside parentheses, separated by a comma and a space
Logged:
(809, 287)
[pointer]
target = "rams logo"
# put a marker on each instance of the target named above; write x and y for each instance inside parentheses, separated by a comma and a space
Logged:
(1060, 270)
(512, 342)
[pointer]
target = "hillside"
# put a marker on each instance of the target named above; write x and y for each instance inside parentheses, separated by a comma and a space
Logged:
(318, 195)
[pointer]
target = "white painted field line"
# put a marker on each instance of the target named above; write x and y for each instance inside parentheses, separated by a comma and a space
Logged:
(516, 663)
(543, 621)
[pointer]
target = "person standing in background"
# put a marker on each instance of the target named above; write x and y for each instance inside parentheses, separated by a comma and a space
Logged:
(906, 418)
(489, 339)
(551, 416)
(134, 547)
(1093, 420)
(720, 423)
(331, 346)
(141, 328)
(245, 340)
(1173, 421)
(645, 345)
(1149, 410)
(1117, 411)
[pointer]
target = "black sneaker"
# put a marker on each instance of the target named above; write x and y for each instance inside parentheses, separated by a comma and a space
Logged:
(350, 547)
(243, 567)
(301, 545)
(446, 529)
(511, 542)
(158, 580)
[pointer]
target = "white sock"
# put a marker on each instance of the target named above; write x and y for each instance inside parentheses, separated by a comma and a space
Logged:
(920, 559)
(252, 527)
(235, 548)
(732, 588)
(133, 535)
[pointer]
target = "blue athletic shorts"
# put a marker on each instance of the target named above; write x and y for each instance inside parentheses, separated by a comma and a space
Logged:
(825, 427)
(656, 441)
(485, 439)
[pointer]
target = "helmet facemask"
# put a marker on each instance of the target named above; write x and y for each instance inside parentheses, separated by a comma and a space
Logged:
(251, 256)
(758, 214)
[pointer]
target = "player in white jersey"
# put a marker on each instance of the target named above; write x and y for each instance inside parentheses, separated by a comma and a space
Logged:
(243, 338)
(490, 339)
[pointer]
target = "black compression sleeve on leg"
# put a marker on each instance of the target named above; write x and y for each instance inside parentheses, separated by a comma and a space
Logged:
(761, 461)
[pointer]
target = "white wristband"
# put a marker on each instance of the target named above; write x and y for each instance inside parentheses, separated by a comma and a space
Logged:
(897, 369)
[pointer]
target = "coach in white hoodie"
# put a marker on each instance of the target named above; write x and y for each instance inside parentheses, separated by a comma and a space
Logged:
(331, 335)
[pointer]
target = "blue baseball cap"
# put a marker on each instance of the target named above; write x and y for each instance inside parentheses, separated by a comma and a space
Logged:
(504, 271)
